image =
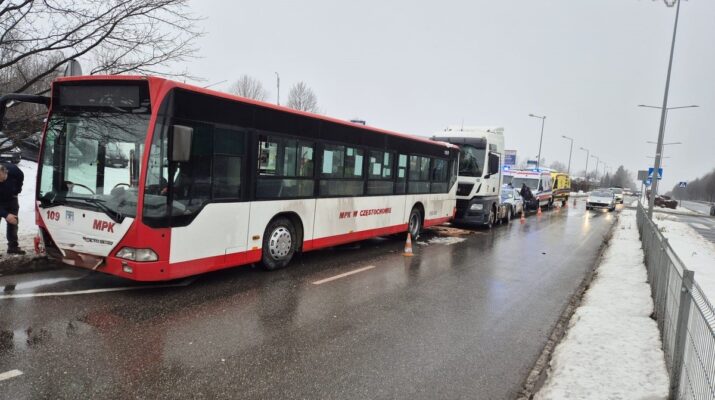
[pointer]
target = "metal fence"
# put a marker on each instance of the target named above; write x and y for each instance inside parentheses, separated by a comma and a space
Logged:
(685, 316)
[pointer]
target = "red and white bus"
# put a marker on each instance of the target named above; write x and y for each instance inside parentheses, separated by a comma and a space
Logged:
(151, 179)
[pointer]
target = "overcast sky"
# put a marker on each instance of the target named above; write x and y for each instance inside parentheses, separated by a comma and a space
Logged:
(416, 67)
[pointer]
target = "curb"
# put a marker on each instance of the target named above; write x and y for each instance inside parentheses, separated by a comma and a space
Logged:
(538, 374)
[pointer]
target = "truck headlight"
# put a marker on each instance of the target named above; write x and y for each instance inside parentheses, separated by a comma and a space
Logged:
(476, 207)
(141, 255)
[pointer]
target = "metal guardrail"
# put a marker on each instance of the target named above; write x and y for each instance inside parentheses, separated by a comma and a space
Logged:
(685, 317)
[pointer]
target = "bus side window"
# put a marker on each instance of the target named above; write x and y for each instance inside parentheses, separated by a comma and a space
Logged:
(285, 168)
(229, 150)
(401, 175)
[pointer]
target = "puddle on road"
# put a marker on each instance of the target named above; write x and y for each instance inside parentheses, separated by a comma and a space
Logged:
(447, 240)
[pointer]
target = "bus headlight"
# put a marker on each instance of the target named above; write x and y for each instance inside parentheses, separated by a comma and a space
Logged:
(130, 253)
(476, 207)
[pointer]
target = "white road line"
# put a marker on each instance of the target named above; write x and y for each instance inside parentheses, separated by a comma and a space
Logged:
(88, 291)
(332, 278)
(10, 374)
(700, 226)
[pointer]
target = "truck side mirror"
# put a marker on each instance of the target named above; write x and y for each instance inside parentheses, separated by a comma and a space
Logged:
(181, 138)
(493, 163)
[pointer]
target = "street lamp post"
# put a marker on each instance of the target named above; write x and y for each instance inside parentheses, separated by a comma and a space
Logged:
(568, 171)
(663, 112)
(588, 154)
(598, 160)
(278, 86)
(541, 139)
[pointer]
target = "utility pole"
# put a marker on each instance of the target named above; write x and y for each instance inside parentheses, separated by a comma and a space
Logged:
(568, 171)
(538, 160)
(278, 85)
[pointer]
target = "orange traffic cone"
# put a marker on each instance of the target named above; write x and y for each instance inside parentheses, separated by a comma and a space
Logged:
(408, 246)
(522, 219)
(538, 211)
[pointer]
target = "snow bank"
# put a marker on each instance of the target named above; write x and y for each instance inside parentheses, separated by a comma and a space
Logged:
(695, 251)
(612, 349)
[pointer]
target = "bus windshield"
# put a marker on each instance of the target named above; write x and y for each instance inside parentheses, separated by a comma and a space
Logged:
(92, 159)
(532, 183)
(471, 160)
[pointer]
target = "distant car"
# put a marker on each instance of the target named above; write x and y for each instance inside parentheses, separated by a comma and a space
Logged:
(513, 201)
(618, 192)
(665, 202)
(601, 198)
(9, 152)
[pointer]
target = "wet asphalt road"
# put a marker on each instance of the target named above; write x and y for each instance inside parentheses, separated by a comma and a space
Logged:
(461, 320)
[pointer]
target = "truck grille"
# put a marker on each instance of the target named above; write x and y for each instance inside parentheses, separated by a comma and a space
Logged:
(464, 189)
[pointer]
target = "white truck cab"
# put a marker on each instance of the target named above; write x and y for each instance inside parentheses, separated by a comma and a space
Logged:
(479, 180)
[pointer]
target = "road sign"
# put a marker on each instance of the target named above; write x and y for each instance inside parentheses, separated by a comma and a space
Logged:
(510, 157)
(660, 173)
(642, 175)
(648, 181)
(682, 184)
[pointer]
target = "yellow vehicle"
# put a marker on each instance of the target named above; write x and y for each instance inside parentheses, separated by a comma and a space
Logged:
(562, 187)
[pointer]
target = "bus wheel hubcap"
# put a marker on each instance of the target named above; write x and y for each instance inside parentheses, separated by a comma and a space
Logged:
(280, 243)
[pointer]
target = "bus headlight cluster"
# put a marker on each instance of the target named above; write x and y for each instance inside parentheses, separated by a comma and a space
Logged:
(476, 207)
(130, 253)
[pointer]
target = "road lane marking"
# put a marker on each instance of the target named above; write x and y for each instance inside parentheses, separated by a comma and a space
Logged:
(10, 374)
(700, 226)
(91, 291)
(343, 275)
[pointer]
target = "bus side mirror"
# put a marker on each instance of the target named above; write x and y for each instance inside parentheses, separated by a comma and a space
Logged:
(181, 138)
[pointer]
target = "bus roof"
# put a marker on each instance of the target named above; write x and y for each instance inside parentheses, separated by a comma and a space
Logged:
(229, 96)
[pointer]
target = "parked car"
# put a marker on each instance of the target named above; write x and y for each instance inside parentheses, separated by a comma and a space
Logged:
(9, 152)
(511, 198)
(601, 198)
(665, 202)
(30, 146)
(618, 192)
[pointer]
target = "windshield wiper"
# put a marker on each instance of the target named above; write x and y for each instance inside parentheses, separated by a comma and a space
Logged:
(116, 216)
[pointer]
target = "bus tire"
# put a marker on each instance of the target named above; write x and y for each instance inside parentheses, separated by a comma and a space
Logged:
(279, 244)
(414, 223)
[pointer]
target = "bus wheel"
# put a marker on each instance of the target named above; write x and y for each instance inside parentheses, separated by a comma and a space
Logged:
(279, 242)
(508, 216)
(414, 225)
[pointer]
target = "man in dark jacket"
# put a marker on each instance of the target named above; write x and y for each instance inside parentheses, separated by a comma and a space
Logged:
(526, 194)
(11, 179)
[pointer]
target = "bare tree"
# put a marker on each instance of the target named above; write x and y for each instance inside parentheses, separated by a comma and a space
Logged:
(118, 36)
(247, 86)
(302, 98)
(558, 166)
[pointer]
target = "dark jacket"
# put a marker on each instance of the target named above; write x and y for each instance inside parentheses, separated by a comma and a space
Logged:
(11, 187)
(525, 193)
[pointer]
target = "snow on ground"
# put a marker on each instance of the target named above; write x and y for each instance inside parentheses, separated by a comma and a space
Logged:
(27, 228)
(612, 349)
(695, 251)
(448, 240)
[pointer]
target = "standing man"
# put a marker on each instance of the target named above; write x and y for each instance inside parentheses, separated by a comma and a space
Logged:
(11, 179)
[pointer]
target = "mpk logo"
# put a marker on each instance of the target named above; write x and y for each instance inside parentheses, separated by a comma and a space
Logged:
(100, 225)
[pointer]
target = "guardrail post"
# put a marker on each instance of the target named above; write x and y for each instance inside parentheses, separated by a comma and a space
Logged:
(681, 332)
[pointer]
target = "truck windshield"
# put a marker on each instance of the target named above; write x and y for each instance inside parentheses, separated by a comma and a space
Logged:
(471, 160)
(532, 183)
(91, 160)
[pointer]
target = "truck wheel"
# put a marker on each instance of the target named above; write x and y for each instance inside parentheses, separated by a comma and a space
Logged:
(491, 219)
(414, 224)
(508, 216)
(279, 243)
